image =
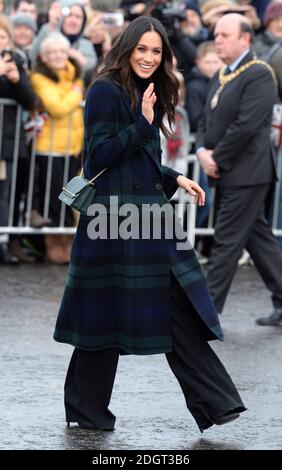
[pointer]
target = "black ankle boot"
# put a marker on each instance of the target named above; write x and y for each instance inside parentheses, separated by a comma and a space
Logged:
(6, 256)
(274, 319)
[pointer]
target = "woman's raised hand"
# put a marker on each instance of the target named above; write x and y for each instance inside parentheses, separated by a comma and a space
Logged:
(148, 101)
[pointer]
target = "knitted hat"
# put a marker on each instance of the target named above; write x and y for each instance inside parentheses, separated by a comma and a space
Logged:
(192, 5)
(24, 19)
(272, 11)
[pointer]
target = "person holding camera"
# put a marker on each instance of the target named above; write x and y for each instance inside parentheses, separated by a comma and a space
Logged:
(14, 84)
(70, 19)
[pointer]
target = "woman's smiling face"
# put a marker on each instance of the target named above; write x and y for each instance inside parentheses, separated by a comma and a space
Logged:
(147, 54)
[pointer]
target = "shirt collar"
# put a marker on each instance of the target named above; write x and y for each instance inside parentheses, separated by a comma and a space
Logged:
(235, 64)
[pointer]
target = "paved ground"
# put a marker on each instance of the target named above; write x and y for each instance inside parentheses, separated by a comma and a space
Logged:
(147, 401)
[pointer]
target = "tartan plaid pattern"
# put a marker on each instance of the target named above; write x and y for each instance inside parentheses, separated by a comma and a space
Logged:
(117, 291)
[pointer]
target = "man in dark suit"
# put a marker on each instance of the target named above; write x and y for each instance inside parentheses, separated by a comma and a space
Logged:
(233, 147)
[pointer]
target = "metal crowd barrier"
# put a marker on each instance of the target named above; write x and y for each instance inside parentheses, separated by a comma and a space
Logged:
(184, 199)
(185, 202)
(5, 103)
(24, 226)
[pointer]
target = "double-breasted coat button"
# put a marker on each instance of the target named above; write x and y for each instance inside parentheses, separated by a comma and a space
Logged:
(158, 186)
(137, 184)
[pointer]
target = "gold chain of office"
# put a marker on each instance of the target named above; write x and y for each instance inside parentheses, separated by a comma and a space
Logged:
(224, 79)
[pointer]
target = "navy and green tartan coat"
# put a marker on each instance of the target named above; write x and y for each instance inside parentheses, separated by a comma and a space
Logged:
(117, 291)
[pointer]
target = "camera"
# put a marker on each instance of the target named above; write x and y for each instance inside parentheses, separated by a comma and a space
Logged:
(168, 14)
(9, 54)
(115, 19)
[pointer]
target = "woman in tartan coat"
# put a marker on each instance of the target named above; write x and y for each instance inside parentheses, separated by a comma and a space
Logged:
(136, 295)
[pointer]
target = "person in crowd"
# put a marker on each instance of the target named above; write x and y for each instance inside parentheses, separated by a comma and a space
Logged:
(72, 25)
(27, 7)
(259, 5)
(99, 37)
(193, 26)
(87, 5)
(234, 149)
(2, 7)
(128, 294)
(54, 19)
(56, 81)
(54, 16)
(134, 8)
(24, 30)
(14, 84)
(268, 44)
(175, 148)
(207, 64)
(212, 10)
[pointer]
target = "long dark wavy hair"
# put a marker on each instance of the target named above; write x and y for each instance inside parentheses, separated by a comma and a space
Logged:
(117, 67)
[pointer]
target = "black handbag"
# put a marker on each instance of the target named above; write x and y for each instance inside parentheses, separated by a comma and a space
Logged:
(79, 193)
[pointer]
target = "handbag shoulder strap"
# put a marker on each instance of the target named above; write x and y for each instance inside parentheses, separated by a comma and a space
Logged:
(95, 177)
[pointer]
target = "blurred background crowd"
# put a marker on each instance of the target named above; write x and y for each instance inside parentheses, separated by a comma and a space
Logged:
(50, 52)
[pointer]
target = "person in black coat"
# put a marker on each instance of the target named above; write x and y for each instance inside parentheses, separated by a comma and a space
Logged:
(207, 64)
(14, 84)
(141, 295)
(233, 146)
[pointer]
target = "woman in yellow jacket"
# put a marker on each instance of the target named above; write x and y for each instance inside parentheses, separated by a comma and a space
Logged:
(55, 80)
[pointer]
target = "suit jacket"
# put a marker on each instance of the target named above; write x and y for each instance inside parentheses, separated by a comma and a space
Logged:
(238, 129)
(118, 291)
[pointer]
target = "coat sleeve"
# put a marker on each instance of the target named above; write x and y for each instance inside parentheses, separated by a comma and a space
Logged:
(276, 64)
(23, 92)
(255, 108)
(169, 181)
(105, 145)
(196, 91)
(202, 122)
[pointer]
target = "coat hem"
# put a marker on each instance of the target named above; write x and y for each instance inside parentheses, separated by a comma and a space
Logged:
(124, 350)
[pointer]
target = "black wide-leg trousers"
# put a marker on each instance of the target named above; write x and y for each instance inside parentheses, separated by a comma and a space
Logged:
(208, 389)
(241, 223)
(88, 387)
